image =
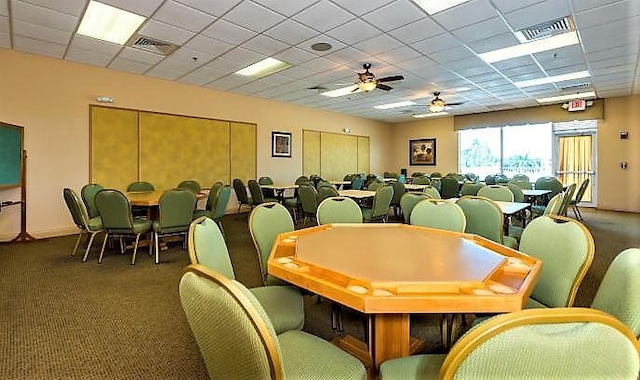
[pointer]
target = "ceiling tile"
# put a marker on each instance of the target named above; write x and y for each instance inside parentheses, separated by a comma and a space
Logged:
(347, 55)
(42, 16)
(72, 7)
(321, 38)
(418, 30)
(295, 56)
(228, 82)
(449, 55)
(400, 54)
(228, 32)
(253, 16)
(506, 6)
(38, 32)
(493, 43)
(30, 45)
(163, 73)
(216, 8)
(324, 16)
(127, 65)
(437, 43)
(141, 7)
(286, 7)
(242, 57)
(481, 30)
(378, 44)
(265, 45)
(165, 32)
(360, 8)
(465, 14)
(88, 57)
(87, 43)
(140, 56)
(538, 13)
(394, 15)
(583, 5)
(209, 46)
(605, 15)
(201, 76)
(183, 17)
(291, 32)
(353, 32)
(197, 58)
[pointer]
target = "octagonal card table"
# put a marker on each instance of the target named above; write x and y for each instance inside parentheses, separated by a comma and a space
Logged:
(389, 271)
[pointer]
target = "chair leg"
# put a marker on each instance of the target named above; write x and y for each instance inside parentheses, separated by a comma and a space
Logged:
(104, 243)
(157, 244)
(75, 248)
(86, 252)
(135, 250)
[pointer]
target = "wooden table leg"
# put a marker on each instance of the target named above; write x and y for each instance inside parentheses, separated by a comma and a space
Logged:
(391, 337)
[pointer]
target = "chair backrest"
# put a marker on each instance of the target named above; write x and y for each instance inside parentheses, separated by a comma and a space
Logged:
(88, 193)
(265, 223)
(398, 191)
(208, 248)
(561, 343)
(402, 178)
(432, 192)
(221, 310)
(436, 174)
(256, 192)
(115, 210)
(449, 187)
(141, 186)
(192, 185)
(308, 198)
(325, 192)
(76, 208)
(554, 205)
(619, 291)
(484, 217)
(241, 191)
(339, 210)
(356, 183)
(381, 202)
(471, 188)
(490, 179)
(524, 185)
(549, 183)
(472, 177)
(440, 214)
(421, 180)
(566, 249)
(520, 177)
(568, 196)
(408, 201)
(496, 193)
(302, 179)
(375, 185)
(265, 181)
(580, 193)
(212, 197)
(176, 209)
(222, 201)
(501, 178)
(518, 195)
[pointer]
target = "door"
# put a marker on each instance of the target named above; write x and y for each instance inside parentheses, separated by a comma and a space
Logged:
(576, 162)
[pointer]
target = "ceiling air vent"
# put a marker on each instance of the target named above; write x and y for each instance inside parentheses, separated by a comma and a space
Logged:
(574, 87)
(546, 29)
(152, 45)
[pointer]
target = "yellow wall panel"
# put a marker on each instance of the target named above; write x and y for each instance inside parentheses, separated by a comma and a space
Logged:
(243, 151)
(363, 155)
(216, 162)
(114, 146)
(338, 155)
(310, 152)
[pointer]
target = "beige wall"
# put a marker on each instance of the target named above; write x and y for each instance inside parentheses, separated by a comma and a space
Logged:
(50, 98)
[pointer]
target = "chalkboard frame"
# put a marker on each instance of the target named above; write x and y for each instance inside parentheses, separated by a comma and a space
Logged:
(11, 152)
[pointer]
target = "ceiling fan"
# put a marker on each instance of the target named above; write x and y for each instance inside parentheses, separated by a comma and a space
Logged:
(438, 105)
(368, 82)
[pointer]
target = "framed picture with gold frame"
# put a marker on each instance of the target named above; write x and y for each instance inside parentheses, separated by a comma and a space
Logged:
(422, 152)
(280, 144)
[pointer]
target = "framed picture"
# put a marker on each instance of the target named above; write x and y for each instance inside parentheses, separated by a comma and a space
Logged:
(422, 152)
(280, 144)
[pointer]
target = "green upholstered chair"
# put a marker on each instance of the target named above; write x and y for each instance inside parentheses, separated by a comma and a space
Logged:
(375, 185)
(88, 194)
(432, 192)
(141, 186)
(568, 195)
(520, 177)
(284, 304)
(325, 192)
(549, 183)
(496, 193)
(118, 221)
(241, 195)
(552, 208)
(421, 180)
(192, 185)
(266, 222)
(523, 184)
(309, 201)
(566, 249)
(619, 291)
(563, 343)
(578, 198)
(398, 191)
(89, 226)
(439, 214)
(436, 175)
(402, 178)
(237, 339)
(485, 218)
(267, 193)
(449, 187)
(380, 208)
(212, 197)
(471, 177)
(357, 183)
(339, 210)
(471, 188)
(490, 179)
(220, 207)
(176, 213)
(518, 195)
(257, 197)
(408, 201)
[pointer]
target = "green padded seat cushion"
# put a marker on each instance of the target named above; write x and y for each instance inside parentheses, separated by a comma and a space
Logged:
(275, 281)
(139, 226)
(284, 306)
(165, 229)
(533, 304)
(414, 367)
(366, 213)
(308, 357)
(94, 224)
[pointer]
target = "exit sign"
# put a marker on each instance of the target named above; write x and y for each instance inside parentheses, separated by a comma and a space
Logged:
(577, 105)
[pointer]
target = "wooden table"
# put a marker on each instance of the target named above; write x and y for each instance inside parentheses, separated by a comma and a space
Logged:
(339, 184)
(357, 194)
(380, 270)
(414, 187)
(279, 189)
(533, 195)
(144, 198)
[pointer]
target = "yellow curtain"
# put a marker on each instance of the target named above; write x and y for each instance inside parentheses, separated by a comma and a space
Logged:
(575, 161)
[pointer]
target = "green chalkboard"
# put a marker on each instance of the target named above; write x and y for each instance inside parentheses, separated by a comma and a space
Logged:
(10, 155)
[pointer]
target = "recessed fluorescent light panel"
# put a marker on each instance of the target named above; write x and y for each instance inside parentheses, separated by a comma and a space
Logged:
(549, 43)
(341, 91)
(553, 79)
(107, 23)
(263, 68)
(580, 95)
(394, 105)
(434, 6)
(430, 114)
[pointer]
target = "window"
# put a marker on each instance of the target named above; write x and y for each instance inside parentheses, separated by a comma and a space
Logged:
(479, 151)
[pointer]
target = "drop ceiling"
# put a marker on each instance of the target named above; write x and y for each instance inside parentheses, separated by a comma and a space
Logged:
(216, 38)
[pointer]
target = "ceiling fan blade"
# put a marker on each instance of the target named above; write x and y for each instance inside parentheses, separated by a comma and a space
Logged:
(355, 89)
(390, 79)
(455, 103)
(383, 87)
